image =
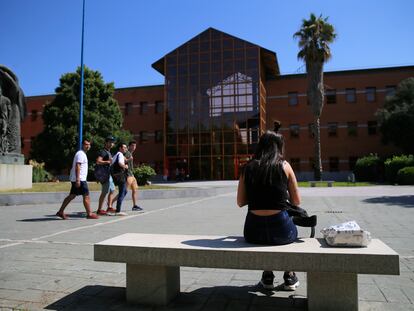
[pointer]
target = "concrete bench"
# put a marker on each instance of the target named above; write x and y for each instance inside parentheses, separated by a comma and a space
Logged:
(153, 264)
(313, 183)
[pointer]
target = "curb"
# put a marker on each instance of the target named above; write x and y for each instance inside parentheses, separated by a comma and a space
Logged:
(57, 197)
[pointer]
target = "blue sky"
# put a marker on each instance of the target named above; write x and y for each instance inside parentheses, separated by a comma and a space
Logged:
(41, 39)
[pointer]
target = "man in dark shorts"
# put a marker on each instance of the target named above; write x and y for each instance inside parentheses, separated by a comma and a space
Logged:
(78, 175)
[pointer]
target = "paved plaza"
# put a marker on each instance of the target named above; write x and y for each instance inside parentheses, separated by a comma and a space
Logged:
(46, 263)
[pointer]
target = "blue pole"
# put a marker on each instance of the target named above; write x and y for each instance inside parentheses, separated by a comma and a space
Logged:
(81, 84)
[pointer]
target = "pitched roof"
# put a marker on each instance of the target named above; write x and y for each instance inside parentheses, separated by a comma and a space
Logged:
(268, 57)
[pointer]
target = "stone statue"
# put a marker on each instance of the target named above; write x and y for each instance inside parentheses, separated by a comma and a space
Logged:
(13, 111)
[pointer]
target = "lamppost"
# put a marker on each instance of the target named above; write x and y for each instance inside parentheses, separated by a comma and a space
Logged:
(81, 84)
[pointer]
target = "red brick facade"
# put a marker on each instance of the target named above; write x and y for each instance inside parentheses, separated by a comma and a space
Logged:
(348, 122)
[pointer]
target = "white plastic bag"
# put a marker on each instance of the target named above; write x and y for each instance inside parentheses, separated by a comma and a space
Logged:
(347, 234)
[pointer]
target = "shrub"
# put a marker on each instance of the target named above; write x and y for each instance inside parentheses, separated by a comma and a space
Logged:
(405, 176)
(39, 172)
(368, 168)
(143, 173)
(394, 164)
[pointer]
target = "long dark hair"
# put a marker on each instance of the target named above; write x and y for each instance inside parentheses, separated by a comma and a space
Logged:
(268, 157)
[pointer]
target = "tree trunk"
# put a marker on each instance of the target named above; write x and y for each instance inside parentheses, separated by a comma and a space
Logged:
(317, 173)
(316, 94)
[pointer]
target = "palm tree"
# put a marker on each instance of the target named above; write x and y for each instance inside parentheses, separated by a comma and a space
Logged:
(314, 36)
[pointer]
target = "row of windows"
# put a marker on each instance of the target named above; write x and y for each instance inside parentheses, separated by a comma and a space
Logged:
(350, 95)
(298, 164)
(144, 108)
(352, 129)
(144, 136)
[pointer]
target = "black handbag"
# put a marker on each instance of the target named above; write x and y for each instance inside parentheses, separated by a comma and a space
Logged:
(301, 218)
(118, 173)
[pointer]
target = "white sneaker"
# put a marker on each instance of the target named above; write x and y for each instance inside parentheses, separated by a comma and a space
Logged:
(121, 214)
(110, 214)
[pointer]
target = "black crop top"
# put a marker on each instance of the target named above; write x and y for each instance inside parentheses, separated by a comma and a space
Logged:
(265, 195)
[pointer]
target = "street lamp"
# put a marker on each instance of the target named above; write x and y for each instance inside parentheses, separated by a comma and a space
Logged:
(81, 84)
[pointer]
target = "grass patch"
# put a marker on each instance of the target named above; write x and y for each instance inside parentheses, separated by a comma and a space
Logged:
(337, 184)
(65, 187)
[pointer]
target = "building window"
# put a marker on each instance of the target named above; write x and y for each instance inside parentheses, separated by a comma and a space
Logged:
(128, 109)
(295, 163)
(158, 136)
(159, 107)
(311, 130)
(22, 142)
(372, 127)
(143, 108)
(330, 96)
(34, 115)
(332, 129)
(352, 162)
(294, 130)
(143, 137)
(333, 164)
(370, 94)
(293, 98)
(353, 129)
(390, 90)
(350, 95)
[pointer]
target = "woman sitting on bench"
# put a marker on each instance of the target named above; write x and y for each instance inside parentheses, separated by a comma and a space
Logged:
(265, 185)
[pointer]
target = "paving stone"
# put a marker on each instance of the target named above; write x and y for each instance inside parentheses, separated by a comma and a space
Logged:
(370, 293)
(62, 262)
(394, 295)
(381, 306)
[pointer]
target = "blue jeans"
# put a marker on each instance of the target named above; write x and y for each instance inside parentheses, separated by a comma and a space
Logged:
(276, 229)
(122, 188)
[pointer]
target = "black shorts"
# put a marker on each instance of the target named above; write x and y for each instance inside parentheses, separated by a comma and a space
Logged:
(82, 190)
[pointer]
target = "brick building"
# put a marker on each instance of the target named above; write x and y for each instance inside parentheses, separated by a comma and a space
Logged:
(222, 92)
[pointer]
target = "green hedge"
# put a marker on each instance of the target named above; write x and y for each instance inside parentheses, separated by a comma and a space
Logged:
(39, 173)
(368, 168)
(405, 176)
(394, 164)
(143, 173)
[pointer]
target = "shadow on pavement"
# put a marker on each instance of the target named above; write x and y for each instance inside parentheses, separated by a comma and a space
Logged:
(98, 297)
(53, 217)
(404, 200)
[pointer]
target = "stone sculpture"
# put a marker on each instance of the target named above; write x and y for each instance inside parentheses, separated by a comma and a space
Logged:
(13, 111)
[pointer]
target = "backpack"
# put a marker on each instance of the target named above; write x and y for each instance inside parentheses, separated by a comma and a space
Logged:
(118, 173)
(101, 173)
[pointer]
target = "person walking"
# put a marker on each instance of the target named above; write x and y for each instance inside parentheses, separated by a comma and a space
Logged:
(118, 172)
(131, 180)
(265, 185)
(103, 162)
(78, 175)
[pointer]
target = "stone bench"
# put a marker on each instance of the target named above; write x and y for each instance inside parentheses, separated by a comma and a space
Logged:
(153, 264)
(313, 183)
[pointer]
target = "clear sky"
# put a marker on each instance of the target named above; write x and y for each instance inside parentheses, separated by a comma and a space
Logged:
(41, 39)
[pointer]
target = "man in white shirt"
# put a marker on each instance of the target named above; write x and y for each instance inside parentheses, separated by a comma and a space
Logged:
(78, 175)
(119, 175)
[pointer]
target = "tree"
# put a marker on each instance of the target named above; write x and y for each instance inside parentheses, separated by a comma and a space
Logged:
(396, 119)
(314, 37)
(57, 144)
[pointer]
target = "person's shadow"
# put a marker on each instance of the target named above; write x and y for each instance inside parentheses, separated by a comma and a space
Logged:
(73, 216)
